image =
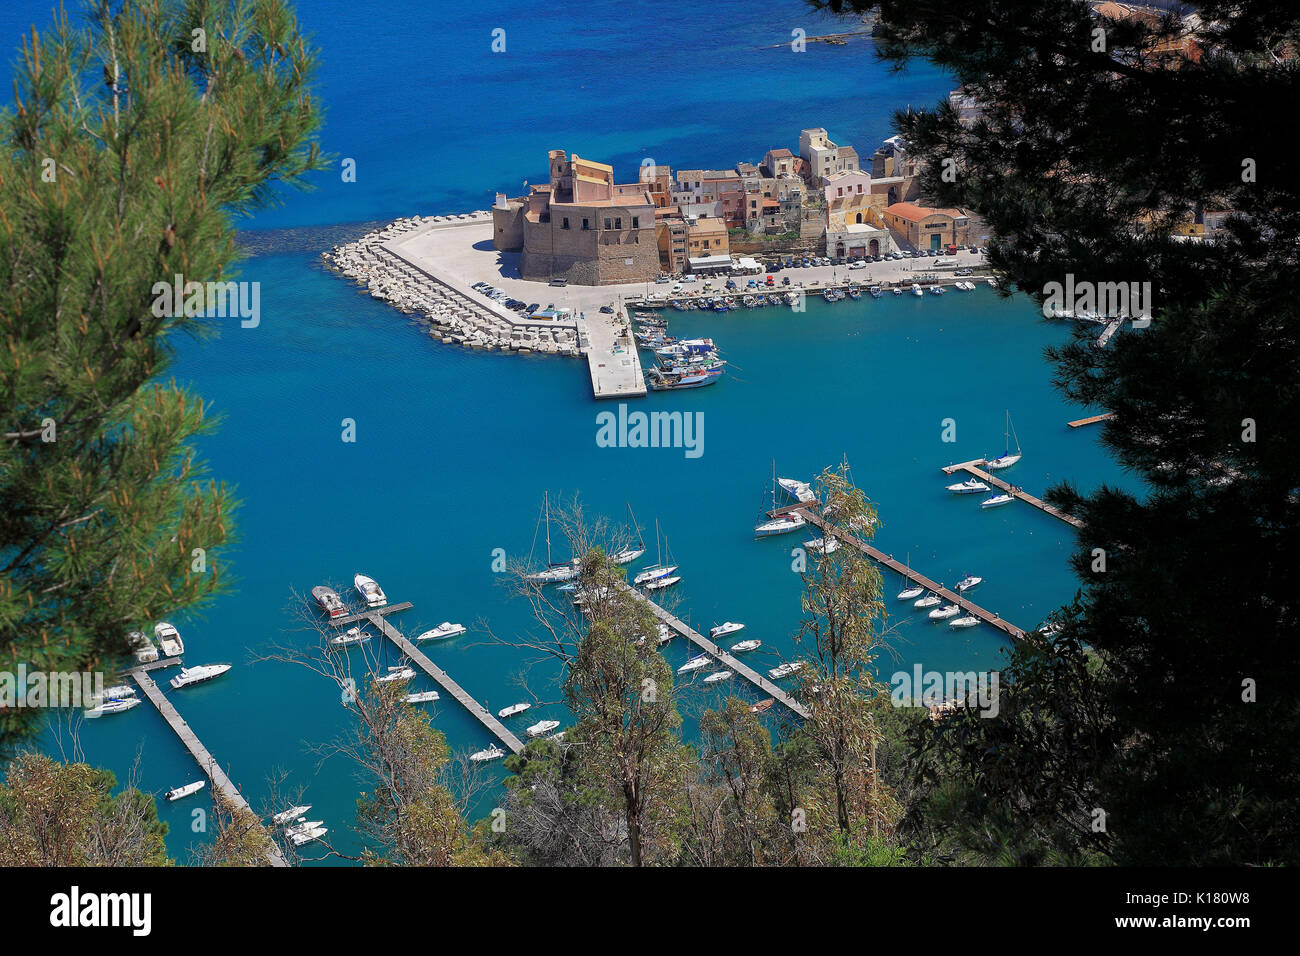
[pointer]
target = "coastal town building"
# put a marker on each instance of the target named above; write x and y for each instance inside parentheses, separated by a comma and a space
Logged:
(824, 157)
(706, 241)
(580, 226)
(855, 225)
(658, 181)
(723, 186)
(670, 237)
(779, 162)
(927, 228)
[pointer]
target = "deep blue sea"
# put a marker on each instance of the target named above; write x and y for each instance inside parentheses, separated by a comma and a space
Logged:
(455, 449)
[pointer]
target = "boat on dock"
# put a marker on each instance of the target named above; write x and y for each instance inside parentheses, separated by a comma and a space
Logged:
(658, 584)
(353, 635)
(970, 620)
(800, 491)
(443, 630)
(423, 697)
(142, 647)
(945, 612)
(512, 710)
(179, 793)
(114, 705)
(370, 591)
(553, 572)
(658, 569)
(285, 816)
(997, 500)
(542, 727)
(917, 291)
(727, 627)
(197, 675)
(971, 486)
(169, 639)
(937, 290)
(781, 524)
(930, 600)
(1007, 458)
(786, 670)
(661, 381)
(329, 601)
(303, 837)
(822, 545)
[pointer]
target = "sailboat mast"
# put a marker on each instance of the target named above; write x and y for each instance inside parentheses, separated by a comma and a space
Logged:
(546, 504)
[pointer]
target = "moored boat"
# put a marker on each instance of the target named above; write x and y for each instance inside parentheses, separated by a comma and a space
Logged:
(930, 600)
(718, 676)
(727, 627)
(169, 639)
(512, 710)
(744, 646)
(911, 593)
(293, 813)
(971, 486)
(997, 500)
(968, 582)
(423, 697)
(785, 670)
(491, 753)
(369, 590)
(142, 647)
(399, 673)
(763, 705)
(445, 629)
(945, 612)
(542, 727)
(114, 705)
(196, 675)
(329, 601)
(658, 584)
(178, 793)
(694, 664)
(970, 620)
(353, 635)
(1008, 457)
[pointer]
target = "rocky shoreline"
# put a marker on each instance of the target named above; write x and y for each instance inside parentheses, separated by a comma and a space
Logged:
(448, 315)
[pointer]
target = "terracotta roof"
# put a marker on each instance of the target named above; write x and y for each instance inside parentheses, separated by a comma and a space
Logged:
(914, 213)
(780, 153)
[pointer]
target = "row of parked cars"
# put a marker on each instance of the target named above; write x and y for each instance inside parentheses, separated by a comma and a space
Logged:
(497, 295)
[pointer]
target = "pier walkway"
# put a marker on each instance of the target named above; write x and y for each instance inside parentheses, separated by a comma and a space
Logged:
(377, 617)
(207, 763)
(812, 516)
(972, 467)
(1091, 420)
(612, 357)
(713, 650)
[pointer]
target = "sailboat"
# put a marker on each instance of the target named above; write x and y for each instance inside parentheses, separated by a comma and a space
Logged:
(1006, 459)
(657, 570)
(554, 572)
(627, 555)
(910, 591)
(782, 523)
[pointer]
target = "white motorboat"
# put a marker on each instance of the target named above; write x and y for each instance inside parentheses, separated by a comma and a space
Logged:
(353, 635)
(970, 620)
(114, 706)
(445, 629)
(542, 727)
(930, 600)
(658, 584)
(968, 582)
(196, 675)
(1007, 458)
(822, 545)
(993, 283)
(779, 525)
(694, 664)
(717, 676)
(398, 673)
(293, 813)
(307, 836)
(169, 639)
(743, 646)
(302, 826)
(971, 486)
(785, 670)
(996, 501)
(181, 792)
(329, 601)
(491, 753)
(116, 692)
(142, 647)
(665, 633)
(423, 697)
(727, 627)
(917, 291)
(945, 612)
(370, 591)
(909, 594)
(796, 489)
(513, 709)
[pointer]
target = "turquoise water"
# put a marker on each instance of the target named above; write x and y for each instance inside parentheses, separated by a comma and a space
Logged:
(455, 449)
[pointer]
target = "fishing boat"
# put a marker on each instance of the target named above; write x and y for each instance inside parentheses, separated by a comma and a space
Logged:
(945, 612)
(293, 813)
(662, 381)
(553, 573)
(854, 293)
(875, 291)
(718, 676)
(916, 290)
(930, 600)
(822, 545)
(658, 584)
(398, 673)
(445, 629)
(911, 593)
(896, 290)
(422, 697)
(785, 670)
(542, 727)
(971, 486)
(727, 627)
(329, 601)
(512, 710)
(114, 705)
(687, 347)
(745, 646)
(968, 582)
(694, 664)
(142, 647)
(763, 705)
(353, 635)
(169, 639)
(997, 500)
(748, 302)
(1007, 458)
(491, 753)
(189, 788)
(937, 290)
(370, 591)
(307, 836)
(970, 620)
(197, 675)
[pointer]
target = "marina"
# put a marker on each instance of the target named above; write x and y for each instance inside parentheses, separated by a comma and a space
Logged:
(972, 467)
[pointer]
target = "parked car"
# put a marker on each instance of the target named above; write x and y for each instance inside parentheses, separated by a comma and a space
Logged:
(532, 308)
(559, 282)
(688, 278)
(771, 281)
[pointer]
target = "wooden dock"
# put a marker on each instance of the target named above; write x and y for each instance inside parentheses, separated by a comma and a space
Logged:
(365, 615)
(972, 467)
(207, 763)
(377, 617)
(713, 650)
(1092, 420)
(811, 514)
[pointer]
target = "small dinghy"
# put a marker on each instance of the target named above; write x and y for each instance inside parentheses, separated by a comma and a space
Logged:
(512, 710)
(763, 705)
(182, 792)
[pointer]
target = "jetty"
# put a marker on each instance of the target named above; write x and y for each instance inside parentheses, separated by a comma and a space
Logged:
(973, 468)
(379, 618)
(207, 763)
(714, 650)
(813, 516)
(1108, 333)
(1091, 420)
(613, 360)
